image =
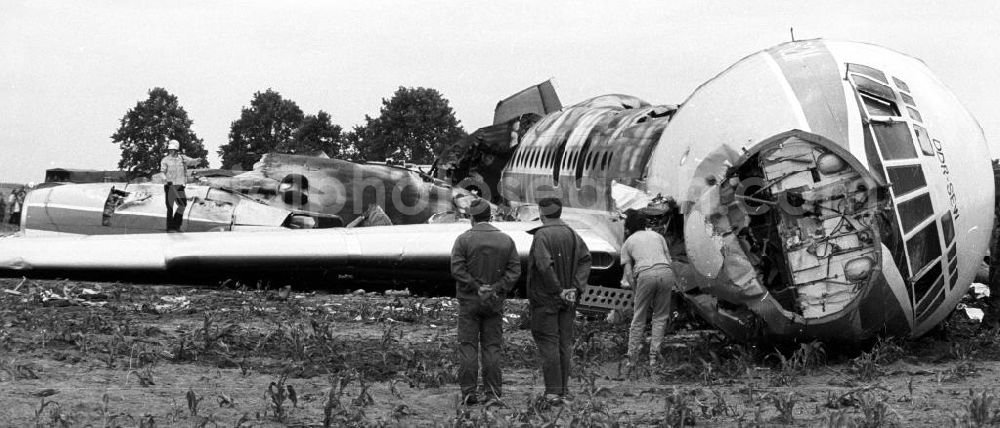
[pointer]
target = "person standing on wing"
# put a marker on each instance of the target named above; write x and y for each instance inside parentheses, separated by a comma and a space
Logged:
(174, 168)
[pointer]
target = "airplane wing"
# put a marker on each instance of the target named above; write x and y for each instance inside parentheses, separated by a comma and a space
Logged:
(379, 252)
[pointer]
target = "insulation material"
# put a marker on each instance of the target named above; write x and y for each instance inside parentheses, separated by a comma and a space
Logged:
(627, 197)
(211, 211)
(251, 214)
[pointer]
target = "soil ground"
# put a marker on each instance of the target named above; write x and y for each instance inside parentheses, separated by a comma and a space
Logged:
(112, 354)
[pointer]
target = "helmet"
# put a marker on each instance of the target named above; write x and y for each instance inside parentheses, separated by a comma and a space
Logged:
(173, 145)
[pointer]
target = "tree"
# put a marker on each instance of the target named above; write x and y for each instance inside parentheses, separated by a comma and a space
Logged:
(315, 133)
(413, 125)
(267, 125)
(146, 128)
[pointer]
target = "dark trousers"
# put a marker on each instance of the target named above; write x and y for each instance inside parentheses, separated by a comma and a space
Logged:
(479, 327)
(552, 328)
(176, 202)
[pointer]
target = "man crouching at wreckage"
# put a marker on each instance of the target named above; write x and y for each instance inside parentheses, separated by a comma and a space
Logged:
(558, 269)
(485, 265)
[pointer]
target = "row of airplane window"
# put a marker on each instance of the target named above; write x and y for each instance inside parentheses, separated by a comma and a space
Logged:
(547, 157)
(896, 143)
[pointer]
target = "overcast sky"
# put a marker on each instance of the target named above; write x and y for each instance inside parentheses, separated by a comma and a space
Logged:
(70, 70)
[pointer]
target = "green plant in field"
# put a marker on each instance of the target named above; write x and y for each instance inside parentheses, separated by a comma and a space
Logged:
(54, 417)
(364, 399)
(192, 401)
(588, 375)
(805, 359)
(980, 411)
(785, 404)
(840, 419)
(107, 418)
(865, 366)
(715, 406)
(876, 413)
(677, 411)
(276, 394)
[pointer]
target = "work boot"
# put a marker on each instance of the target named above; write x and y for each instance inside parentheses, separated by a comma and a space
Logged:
(494, 400)
(554, 399)
(470, 400)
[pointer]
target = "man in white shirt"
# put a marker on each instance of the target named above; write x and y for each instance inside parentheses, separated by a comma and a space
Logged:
(174, 168)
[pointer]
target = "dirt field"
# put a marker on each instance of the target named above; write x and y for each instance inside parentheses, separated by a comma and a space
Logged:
(102, 354)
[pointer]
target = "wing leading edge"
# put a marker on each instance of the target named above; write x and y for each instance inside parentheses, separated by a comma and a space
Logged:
(382, 251)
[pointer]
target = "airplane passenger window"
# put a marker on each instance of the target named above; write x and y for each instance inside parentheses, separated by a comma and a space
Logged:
(584, 156)
(872, 87)
(879, 107)
(947, 228)
(907, 99)
(923, 291)
(867, 71)
(924, 247)
(558, 160)
(901, 84)
(923, 285)
(923, 139)
(894, 140)
(914, 211)
(905, 179)
(914, 114)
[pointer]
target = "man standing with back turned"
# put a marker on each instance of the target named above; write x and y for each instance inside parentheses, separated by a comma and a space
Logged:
(485, 265)
(558, 267)
(174, 168)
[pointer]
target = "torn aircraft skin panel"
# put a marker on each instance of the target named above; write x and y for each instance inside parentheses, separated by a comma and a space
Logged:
(341, 188)
(283, 191)
(123, 208)
(814, 190)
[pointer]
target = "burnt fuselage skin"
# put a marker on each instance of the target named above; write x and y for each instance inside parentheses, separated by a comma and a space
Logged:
(280, 188)
(342, 188)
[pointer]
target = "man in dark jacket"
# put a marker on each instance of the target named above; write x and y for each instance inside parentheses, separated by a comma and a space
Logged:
(485, 265)
(558, 267)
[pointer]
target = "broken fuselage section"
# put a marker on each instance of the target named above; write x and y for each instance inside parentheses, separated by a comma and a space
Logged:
(283, 191)
(790, 237)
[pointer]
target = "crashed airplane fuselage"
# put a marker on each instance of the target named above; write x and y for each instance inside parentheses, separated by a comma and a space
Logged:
(283, 191)
(818, 189)
(827, 190)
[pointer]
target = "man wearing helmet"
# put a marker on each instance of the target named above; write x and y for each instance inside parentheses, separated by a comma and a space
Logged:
(174, 168)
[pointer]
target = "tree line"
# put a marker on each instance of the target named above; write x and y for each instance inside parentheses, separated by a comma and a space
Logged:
(412, 126)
